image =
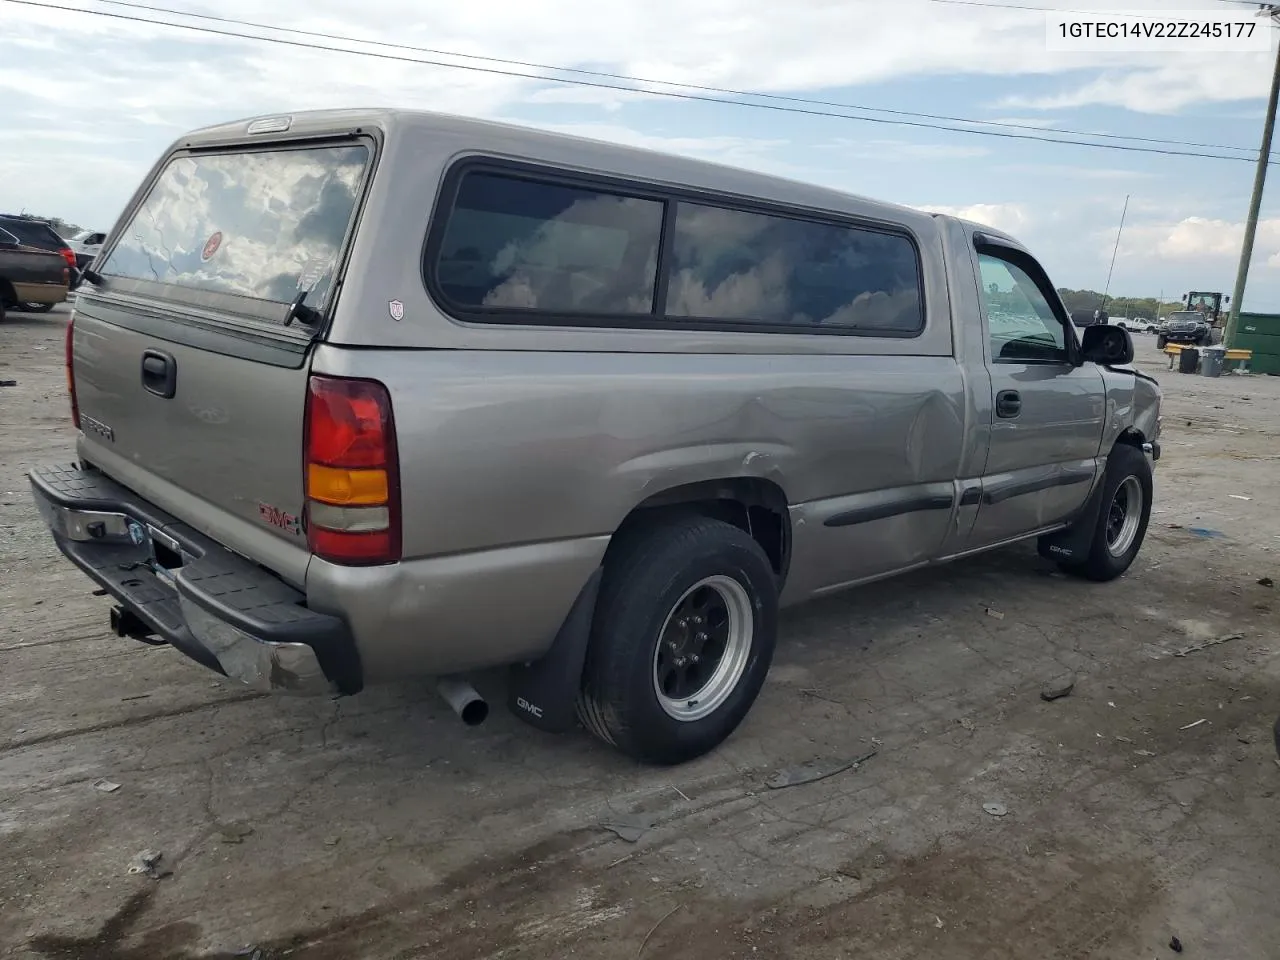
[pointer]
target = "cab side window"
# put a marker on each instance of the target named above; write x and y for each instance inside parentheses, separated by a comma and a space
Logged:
(1020, 323)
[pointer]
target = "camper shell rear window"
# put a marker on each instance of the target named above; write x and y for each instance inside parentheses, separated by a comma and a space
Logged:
(244, 230)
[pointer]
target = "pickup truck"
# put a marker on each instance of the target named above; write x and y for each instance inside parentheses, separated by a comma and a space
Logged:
(467, 395)
(29, 275)
(1186, 327)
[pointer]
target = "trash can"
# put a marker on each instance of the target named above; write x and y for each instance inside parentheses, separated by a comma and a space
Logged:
(1188, 360)
(1212, 360)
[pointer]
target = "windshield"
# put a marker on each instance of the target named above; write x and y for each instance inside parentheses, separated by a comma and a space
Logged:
(263, 224)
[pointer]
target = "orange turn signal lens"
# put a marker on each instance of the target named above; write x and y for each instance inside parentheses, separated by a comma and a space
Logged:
(346, 487)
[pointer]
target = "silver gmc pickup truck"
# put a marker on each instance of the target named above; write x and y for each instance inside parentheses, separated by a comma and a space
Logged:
(364, 395)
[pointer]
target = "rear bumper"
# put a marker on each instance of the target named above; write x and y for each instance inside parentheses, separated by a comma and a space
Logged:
(210, 603)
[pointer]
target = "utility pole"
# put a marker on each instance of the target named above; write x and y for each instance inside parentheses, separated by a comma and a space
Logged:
(1271, 10)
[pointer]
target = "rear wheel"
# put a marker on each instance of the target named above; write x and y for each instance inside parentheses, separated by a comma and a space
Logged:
(1161, 341)
(681, 640)
(1122, 521)
(37, 307)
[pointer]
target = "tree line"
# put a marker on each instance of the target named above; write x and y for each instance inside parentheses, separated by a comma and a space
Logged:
(1136, 308)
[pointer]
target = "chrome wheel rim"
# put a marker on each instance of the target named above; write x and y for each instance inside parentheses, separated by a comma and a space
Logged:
(703, 648)
(1123, 516)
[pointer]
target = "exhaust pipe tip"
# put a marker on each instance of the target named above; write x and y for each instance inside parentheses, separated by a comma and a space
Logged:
(475, 713)
(471, 708)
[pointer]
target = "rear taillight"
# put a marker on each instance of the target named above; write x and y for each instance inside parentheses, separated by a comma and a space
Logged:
(68, 255)
(69, 363)
(352, 472)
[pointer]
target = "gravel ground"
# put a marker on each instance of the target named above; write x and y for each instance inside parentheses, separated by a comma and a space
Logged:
(1141, 807)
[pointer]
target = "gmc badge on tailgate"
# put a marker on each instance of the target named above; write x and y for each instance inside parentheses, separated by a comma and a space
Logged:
(97, 426)
(281, 519)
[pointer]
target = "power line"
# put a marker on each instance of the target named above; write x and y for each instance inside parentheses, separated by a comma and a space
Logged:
(1152, 14)
(599, 84)
(725, 91)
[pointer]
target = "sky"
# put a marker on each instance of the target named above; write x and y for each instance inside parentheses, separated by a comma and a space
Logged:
(88, 103)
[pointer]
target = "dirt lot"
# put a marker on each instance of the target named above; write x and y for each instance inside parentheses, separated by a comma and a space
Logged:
(380, 827)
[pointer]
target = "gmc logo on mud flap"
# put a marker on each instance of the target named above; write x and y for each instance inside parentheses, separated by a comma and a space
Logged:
(525, 705)
(278, 518)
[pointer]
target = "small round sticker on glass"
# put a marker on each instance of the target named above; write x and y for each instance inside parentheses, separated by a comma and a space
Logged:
(211, 246)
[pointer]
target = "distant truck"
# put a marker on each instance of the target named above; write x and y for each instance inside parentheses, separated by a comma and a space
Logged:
(1133, 324)
(29, 275)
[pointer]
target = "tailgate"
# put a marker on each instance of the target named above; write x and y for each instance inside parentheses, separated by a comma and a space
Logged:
(190, 362)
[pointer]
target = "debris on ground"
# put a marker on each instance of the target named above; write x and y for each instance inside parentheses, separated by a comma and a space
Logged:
(234, 832)
(1175, 945)
(994, 614)
(1207, 533)
(1196, 724)
(967, 724)
(1204, 644)
(629, 826)
(8, 383)
(654, 929)
(148, 863)
(1058, 687)
(818, 696)
(1266, 582)
(106, 786)
(995, 809)
(815, 771)
(332, 841)
(1144, 753)
(1238, 496)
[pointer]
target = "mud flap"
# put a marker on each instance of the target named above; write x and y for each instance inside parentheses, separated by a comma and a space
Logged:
(1072, 544)
(544, 693)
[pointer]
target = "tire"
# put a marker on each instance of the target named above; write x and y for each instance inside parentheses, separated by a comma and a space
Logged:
(37, 307)
(1161, 341)
(1115, 542)
(695, 566)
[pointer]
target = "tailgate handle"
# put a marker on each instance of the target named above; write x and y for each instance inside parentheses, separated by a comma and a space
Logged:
(159, 374)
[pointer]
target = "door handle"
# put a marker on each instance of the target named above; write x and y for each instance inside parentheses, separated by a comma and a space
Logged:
(159, 374)
(1008, 404)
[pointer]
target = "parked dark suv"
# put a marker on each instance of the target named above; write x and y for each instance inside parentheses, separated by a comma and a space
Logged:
(32, 232)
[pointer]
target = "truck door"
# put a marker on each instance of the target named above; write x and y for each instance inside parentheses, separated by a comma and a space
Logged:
(1047, 412)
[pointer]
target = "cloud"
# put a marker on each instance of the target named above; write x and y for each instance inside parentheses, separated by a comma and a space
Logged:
(1009, 217)
(1165, 89)
(1207, 243)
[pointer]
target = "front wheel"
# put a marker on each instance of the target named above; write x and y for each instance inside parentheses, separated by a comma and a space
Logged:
(1161, 341)
(1122, 520)
(37, 307)
(681, 640)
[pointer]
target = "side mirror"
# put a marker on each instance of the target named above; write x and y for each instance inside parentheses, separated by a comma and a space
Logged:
(1106, 345)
